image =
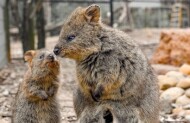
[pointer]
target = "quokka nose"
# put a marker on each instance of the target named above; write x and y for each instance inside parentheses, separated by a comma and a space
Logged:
(50, 56)
(56, 51)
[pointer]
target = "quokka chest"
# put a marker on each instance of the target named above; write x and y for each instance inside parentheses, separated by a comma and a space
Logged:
(86, 80)
(46, 85)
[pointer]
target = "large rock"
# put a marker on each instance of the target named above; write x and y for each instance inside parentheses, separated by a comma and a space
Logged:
(172, 94)
(166, 82)
(187, 107)
(166, 106)
(187, 117)
(175, 74)
(173, 47)
(187, 92)
(184, 113)
(3, 121)
(177, 110)
(185, 69)
(183, 100)
(184, 83)
(162, 69)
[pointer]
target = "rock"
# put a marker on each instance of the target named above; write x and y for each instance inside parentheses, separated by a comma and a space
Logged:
(20, 80)
(161, 91)
(3, 121)
(173, 47)
(166, 82)
(13, 75)
(177, 110)
(187, 107)
(162, 69)
(187, 92)
(175, 74)
(172, 94)
(184, 112)
(5, 114)
(184, 83)
(187, 117)
(173, 119)
(175, 105)
(185, 69)
(166, 107)
(180, 111)
(183, 100)
(6, 93)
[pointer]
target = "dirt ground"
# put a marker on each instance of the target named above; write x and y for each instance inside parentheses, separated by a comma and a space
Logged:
(12, 74)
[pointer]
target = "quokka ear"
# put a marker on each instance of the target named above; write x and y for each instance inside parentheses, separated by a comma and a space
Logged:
(92, 13)
(28, 56)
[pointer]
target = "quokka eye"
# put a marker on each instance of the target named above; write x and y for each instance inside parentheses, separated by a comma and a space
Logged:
(41, 56)
(70, 38)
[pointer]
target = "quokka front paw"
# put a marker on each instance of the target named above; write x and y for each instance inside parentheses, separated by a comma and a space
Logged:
(43, 95)
(51, 91)
(97, 94)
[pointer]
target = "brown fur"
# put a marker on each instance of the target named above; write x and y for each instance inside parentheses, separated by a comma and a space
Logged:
(112, 71)
(35, 101)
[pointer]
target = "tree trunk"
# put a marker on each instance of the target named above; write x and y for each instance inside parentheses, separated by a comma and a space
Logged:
(6, 26)
(16, 16)
(27, 27)
(112, 13)
(40, 26)
(47, 12)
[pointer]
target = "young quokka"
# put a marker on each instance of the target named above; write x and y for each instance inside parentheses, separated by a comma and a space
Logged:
(35, 100)
(112, 71)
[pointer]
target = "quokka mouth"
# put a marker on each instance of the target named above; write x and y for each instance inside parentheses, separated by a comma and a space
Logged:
(62, 54)
(50, 60)
(52, 63)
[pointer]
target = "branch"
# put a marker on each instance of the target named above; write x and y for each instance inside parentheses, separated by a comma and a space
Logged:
(37, 8)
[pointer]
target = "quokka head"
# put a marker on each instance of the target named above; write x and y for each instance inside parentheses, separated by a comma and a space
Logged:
(42, 62)
(79, 35)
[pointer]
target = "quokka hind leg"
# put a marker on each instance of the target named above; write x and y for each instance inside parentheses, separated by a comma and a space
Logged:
(87, 110)
(124, 114)
(92, 114)
(79, 102)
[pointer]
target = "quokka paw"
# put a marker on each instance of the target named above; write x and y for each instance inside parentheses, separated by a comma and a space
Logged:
(51, 91)
(44, 96)
(96, 96)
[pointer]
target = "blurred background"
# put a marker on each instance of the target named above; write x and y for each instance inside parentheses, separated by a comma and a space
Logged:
(160, 27)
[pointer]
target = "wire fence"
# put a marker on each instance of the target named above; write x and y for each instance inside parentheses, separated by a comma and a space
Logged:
(111, 3)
